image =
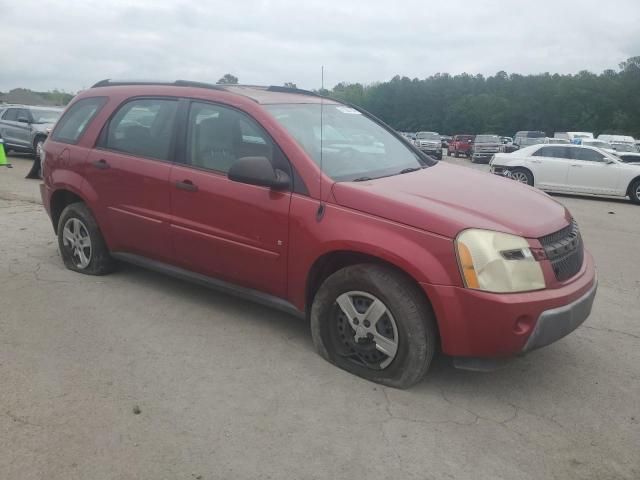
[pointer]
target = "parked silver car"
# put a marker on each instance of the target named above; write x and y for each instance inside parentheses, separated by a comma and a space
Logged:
(25, 128)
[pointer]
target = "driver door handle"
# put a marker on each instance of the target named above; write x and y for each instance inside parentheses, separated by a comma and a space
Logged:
(101, 164)
(187, 186)
(576, 165)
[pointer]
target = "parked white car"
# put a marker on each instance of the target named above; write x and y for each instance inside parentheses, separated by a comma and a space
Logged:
(570, 169)
(605, 137)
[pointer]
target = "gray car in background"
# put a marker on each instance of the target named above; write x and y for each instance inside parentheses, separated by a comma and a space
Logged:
(25, 128)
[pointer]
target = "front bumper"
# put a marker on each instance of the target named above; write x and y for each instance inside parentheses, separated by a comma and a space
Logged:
(558, 322)
(480, 324)
(483, 155)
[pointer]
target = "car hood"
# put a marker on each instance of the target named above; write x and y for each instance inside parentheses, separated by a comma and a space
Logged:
(446, 199)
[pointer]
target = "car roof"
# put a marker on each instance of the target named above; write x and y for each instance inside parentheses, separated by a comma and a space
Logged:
(265, 95)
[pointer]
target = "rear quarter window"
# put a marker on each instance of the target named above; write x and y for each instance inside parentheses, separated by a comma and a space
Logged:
(76, 119)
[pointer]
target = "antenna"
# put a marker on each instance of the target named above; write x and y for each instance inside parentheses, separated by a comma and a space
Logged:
(320, 212)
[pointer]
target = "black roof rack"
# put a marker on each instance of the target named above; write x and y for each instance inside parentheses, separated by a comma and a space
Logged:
(187, 83)
(178, 83)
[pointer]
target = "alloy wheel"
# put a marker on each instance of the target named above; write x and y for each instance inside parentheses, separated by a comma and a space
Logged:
(520, 177)
(76, 239)
(364, 330)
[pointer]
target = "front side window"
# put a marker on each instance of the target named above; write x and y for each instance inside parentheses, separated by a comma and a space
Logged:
(143, 128)
(11, 115)
(351, 146)
(217, 136)
(76, 119)
(587, 155)
(552, 152)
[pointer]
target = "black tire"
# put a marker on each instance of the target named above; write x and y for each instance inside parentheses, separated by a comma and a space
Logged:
(526, 173)
(407, 304)
(456, 154)
(99, 260)
(634, 192)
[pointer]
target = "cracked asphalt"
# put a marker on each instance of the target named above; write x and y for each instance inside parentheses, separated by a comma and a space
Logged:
(139, 376)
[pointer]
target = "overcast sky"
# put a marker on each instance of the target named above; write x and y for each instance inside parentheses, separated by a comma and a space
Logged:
(68, 44)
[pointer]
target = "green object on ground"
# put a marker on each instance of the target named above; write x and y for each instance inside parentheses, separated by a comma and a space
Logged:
(3, 156)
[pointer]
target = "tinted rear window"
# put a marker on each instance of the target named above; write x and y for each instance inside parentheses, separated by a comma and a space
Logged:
(76, 119)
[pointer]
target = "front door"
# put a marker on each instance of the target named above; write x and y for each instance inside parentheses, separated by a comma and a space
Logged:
(589, 172)
(129, 171)
(224, 229)
(550, 165)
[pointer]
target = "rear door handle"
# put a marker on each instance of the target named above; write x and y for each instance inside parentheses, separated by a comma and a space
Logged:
(576, 165)
(187, 186)
(101, 164)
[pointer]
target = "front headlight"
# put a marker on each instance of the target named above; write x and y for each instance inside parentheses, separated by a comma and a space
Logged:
(497, 262)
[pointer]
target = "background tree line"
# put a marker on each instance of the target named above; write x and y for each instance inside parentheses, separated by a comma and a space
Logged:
(505, 103)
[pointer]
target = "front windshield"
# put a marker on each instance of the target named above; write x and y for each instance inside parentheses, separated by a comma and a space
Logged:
(428, 136)
(487, 139)
(45, 116)
(353, 146)
(623, 147)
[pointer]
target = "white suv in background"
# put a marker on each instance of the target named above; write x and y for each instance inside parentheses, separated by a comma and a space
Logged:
(570, 169)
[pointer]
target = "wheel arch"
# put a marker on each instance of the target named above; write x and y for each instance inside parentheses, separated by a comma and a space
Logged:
(331, 262)
(60, 199)
(631, 183)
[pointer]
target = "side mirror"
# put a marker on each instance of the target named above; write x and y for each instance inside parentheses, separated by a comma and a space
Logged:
(23, 120)
(258, 171)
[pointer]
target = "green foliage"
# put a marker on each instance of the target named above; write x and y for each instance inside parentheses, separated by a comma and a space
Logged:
(503, 103)
(228, 79)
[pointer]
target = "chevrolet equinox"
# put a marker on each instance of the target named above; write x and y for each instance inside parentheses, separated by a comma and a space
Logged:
(320, 209)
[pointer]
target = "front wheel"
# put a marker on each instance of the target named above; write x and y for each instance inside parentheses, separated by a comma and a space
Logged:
(634, 192)
(523, 176)
(374, 322)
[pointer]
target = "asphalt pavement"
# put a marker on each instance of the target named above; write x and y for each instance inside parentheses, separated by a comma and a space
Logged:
(139, 376)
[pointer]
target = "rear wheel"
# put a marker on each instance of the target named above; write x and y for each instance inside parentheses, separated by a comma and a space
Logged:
(374, 322)
(634, 192)
(456, 154)
(522, 175)
(81, 244)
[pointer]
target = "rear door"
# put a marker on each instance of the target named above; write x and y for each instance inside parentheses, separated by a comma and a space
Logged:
(550, 166)
(129, 171)
(220, 228)
(589, 172)
(10, 126)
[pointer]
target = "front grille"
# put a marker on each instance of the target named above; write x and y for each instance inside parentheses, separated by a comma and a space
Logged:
(565, 250)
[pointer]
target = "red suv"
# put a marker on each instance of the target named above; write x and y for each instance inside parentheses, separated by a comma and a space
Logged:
(319, 209)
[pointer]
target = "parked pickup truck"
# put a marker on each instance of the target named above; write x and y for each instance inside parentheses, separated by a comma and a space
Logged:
(461, 144)
(429, 143)
(484, 147)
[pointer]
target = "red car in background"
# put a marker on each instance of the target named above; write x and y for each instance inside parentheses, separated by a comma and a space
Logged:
(390, 254)
(460, 145)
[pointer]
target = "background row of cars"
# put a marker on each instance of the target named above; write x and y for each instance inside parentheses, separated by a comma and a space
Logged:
(481, 148)
(568, 162)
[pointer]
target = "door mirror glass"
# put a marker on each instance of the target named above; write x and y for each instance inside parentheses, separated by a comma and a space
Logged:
(258, 171)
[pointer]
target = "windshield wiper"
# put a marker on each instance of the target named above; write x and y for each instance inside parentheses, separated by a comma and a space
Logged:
(362, 179)
(410, 169)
